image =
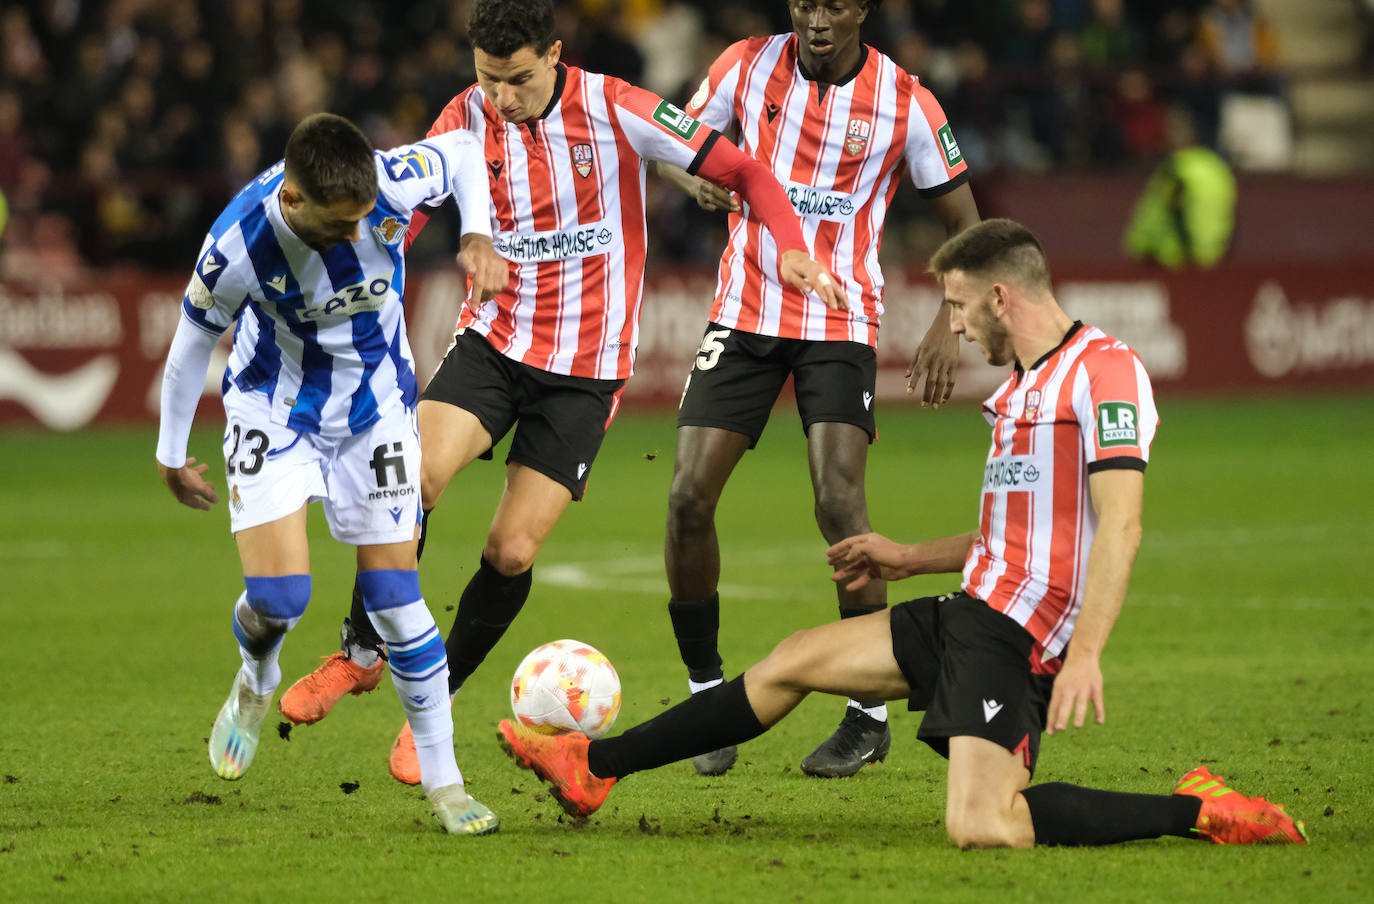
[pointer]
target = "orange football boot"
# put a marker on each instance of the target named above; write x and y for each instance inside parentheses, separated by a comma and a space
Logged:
(560, 760)
(1229, 817)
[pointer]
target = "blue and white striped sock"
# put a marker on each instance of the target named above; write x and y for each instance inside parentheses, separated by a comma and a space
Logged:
(419, 668)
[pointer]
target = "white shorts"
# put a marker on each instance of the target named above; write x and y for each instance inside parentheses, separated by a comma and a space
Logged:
(369, 483)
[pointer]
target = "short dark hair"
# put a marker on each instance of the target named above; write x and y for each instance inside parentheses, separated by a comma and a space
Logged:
(330, 160)
(502, 27)
(993, 249)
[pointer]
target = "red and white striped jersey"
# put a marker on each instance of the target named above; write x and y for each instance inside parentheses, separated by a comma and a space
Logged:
(839, 154)
(567, 192)
(1084, 407)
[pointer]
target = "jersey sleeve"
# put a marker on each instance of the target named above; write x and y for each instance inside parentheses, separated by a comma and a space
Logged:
(429, 171)
(1115, 407)
(656, 129)
(215, 294)
(714, 100)
(933, 157)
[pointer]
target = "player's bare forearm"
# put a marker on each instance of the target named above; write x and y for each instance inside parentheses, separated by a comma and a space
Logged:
(1116, 495)
(946, 555)
(866, 557)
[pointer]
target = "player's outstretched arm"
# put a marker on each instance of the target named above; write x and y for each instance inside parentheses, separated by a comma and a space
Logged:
(488, 270)
(1116, 496)
(866, 557)
(708, 196)
(727, 165)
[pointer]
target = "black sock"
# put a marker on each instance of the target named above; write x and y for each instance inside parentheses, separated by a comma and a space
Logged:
(703, 722)
(1069, 815)
(855, 612)
(488, 605)
(358, 626)
(696, 623)
(424, 532)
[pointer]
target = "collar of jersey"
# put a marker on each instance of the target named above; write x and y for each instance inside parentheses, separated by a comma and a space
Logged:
(1077, 325)
(849, 77)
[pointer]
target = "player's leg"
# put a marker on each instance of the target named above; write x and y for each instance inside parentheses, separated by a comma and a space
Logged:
(835, 385)
(451, 436)
(725, 406)
(271, 473)
(850, 657)
(562, 421)
(419, 670)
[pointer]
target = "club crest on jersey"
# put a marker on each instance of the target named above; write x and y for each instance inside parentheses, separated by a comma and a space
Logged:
(856, 136)
(1032, 403)
(389, 231)
(582, 159)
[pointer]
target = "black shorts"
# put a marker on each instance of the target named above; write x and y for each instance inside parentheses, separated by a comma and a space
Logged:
(737, 377)
(969, 669)
(562, 420)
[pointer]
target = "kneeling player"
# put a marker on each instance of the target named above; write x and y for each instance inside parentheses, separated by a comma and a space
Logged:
(991, 665)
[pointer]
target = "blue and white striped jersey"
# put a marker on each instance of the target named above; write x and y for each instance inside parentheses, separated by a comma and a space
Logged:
(322, 333)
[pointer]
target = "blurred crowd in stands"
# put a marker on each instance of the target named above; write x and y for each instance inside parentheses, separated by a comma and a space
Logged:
(126, 124)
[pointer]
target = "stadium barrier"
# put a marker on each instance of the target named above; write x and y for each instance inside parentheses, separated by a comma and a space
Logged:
(91, 355)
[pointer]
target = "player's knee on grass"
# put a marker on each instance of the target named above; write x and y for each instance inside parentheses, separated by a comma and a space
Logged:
(979, 825)
(273, 607)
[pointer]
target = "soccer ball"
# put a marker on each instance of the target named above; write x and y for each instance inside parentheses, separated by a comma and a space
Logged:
(566, 685)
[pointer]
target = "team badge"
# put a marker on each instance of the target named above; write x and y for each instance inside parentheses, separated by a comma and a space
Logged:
(389, 231)
(1032, 403)
(234, 499)
(856, 136)
(582, 159)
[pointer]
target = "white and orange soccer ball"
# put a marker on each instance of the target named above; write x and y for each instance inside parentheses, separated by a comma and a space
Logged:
(566, 685)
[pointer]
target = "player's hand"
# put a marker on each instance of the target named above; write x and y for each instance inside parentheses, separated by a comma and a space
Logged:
(936, 359)
(188, 485)
(868, 557)
(801, 272)
(1078, 683)
(710, 196)
(487, 271)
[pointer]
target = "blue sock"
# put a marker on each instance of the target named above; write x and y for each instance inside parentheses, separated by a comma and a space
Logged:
(419, 667)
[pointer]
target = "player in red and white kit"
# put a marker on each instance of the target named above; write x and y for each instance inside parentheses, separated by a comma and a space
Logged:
(840, 125)
(549, 338)
(991, 665)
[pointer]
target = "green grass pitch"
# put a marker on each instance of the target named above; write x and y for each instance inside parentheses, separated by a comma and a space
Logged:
(1246, 643)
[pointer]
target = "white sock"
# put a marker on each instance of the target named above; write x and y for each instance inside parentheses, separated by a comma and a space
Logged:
(878, 712)
(362, 657)
(699, 686)
(437, 764)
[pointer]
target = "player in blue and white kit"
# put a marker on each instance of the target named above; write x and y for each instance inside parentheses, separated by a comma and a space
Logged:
(320, 397)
